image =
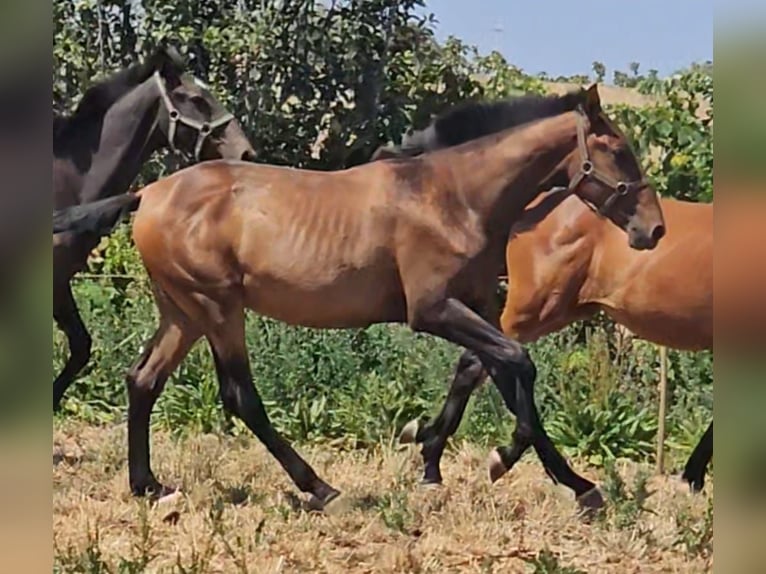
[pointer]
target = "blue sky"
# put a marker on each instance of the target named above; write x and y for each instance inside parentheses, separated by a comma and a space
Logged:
(564, 37)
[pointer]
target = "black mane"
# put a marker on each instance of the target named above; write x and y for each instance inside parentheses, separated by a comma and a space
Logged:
(474, 119)
(97, 99)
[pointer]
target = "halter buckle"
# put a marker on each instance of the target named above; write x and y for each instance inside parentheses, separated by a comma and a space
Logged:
(622, 188)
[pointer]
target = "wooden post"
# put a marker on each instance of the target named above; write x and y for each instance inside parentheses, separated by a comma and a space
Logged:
(662, 409)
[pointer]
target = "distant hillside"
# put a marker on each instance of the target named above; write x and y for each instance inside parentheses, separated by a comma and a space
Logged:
(611, 95)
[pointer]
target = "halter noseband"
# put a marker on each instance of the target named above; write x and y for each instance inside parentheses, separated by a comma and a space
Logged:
(587, 169)
(203, 129)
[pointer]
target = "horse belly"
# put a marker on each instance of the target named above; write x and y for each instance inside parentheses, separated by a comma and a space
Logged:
(689, 329)
(351, 299)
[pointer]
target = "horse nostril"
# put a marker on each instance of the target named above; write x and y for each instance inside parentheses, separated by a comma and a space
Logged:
(658, 233)
(248, 155)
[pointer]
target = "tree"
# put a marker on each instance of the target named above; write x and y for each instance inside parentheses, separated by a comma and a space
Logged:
(599, 70)
(322, 84)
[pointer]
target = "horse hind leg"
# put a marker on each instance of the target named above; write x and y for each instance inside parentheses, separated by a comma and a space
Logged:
(145, 381)
(696, 466)
(241, 398)
(68, 318)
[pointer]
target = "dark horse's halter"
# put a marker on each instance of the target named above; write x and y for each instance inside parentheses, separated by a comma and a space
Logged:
(587, 169)
(203, 129)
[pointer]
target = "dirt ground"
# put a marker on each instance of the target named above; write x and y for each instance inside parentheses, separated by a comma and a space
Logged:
(239, 513)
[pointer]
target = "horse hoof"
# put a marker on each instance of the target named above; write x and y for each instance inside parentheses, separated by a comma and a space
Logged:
(430, 484)
(695, 484)
(168, 497)
(409, 433)
(154, 491)
(591, 500)
(495, 466)
(320, 504)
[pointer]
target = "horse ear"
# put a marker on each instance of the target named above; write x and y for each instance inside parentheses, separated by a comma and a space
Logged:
(168, 59)
(592, 99)
(385, 152)
(175, 57)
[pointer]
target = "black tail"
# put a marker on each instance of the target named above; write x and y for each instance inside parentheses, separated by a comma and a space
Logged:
(99, 217)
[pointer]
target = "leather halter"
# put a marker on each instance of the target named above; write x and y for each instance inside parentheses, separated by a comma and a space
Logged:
(588, 170)
(203, 129)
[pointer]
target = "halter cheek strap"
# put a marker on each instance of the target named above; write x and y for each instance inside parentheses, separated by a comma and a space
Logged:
(203, 129)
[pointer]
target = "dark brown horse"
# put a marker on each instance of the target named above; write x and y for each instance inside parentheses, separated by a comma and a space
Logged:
(416, 241)
(99, 150)
(565, 263)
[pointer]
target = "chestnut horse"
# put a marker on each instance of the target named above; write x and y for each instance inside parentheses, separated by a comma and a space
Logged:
(585, 270)
(565, 263)
(99, 150)
(416, 241)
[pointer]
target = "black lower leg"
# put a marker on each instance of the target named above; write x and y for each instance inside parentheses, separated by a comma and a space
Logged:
(508, 364)
(468, 376)
(516, 385)
(142, 394)
(554, 463)
(696, 466)
(240, 397)
(510, 455)
(68, 319)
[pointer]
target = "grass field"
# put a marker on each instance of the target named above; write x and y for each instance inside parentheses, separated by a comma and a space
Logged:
(239, 513)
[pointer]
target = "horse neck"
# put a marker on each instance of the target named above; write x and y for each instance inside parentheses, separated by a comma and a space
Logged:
(499, 175)
(127, 137)
(607, 250)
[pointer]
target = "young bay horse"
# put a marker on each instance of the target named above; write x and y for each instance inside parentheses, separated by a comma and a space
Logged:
(416, 241)
(99, 150)
(565, 263)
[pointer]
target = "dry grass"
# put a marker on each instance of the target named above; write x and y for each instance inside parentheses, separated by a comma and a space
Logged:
(240, 513)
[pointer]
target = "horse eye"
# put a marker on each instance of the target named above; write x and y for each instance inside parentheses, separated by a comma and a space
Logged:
(621, 153)
(201, 104)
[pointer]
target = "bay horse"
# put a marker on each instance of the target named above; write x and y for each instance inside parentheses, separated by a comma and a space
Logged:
(565, 263)
(415, 240)
(99, 150)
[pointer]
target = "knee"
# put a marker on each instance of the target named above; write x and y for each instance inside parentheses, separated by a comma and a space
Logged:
(469, 365)
(518, 358)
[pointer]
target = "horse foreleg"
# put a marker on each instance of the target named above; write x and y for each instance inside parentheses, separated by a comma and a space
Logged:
(514, 374)
(469, 374)
(69, 321)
